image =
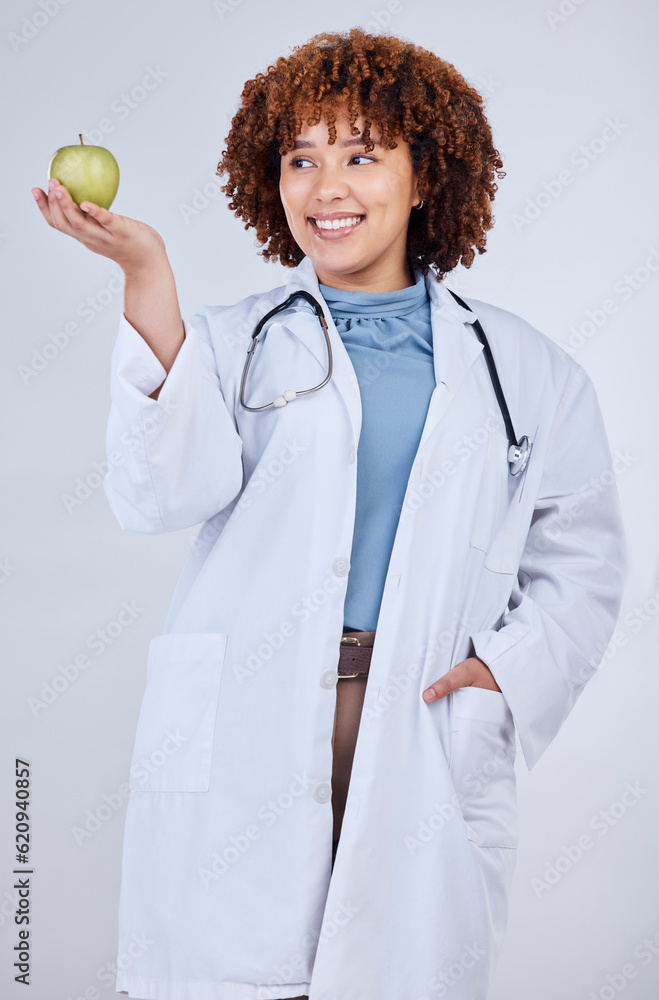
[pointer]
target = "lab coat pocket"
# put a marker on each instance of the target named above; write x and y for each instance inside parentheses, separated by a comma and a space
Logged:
(176, 724)
(482, 765)
(497, 514)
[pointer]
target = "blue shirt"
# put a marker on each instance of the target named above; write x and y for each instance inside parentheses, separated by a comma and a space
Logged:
(388, 336)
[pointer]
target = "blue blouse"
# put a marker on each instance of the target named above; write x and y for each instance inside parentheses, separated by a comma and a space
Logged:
(388, 336)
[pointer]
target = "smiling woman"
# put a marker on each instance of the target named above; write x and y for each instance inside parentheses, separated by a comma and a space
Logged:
(393, 112)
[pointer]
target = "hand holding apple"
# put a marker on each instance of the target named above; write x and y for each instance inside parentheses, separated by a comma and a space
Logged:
(89, 173)
(133, 245)
(150, 298)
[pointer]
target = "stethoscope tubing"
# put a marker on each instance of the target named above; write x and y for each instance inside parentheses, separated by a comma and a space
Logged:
(519, 451)
(289, 394)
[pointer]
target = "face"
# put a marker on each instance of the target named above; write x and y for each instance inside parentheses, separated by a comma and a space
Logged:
(321, 182)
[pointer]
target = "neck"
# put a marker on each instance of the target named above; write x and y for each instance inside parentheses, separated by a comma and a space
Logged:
(345, 283)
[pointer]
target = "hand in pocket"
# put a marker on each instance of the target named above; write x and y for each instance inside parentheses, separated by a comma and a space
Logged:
(472, 672)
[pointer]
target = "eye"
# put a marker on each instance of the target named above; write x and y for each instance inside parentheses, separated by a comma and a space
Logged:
(357, 156)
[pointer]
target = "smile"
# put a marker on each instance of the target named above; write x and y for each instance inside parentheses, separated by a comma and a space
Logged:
(336, 229)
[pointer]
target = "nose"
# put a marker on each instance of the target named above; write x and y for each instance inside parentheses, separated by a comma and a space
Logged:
(330, 183)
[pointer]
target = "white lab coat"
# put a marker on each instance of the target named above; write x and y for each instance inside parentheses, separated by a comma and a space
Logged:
(227, 892)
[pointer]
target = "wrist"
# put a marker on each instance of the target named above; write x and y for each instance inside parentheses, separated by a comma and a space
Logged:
(155, 264)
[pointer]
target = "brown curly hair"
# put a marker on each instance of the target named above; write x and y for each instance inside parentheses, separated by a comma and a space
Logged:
(402, 88)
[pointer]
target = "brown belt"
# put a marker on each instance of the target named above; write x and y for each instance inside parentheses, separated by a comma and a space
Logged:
(355, 653)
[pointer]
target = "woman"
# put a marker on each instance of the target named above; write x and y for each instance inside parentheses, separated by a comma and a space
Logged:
(385, 587)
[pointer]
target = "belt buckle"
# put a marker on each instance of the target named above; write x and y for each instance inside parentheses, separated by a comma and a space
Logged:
(346, 639)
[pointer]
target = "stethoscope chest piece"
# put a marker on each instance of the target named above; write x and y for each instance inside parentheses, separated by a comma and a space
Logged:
(518, 456)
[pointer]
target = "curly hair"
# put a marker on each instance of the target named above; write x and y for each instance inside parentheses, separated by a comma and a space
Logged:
(401, 88)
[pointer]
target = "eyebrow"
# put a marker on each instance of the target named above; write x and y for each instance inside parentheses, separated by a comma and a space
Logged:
(305, 144)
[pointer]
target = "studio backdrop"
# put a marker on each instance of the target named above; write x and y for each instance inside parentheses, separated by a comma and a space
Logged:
(570, 92)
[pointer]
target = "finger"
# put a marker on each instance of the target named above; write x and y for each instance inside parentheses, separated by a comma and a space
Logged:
(459, 676)
(98, 213)
(56, 193)
(41, 199)
(68, 218)
(70, 211)
(88, 218)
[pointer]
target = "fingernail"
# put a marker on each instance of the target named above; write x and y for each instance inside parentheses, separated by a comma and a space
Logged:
(35, 195)
(429, 695)
(58, 193)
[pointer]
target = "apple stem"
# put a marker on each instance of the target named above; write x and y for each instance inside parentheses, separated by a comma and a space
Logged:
(80, 137)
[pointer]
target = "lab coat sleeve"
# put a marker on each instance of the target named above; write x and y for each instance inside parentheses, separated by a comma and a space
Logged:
(568, 591)
(174, 461)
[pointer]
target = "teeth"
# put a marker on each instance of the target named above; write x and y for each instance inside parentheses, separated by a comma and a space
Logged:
(337, 223)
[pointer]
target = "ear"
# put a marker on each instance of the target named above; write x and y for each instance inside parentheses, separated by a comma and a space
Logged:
(417, 197)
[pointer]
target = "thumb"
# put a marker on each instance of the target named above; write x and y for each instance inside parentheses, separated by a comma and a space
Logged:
(454, 678)
(97, 212)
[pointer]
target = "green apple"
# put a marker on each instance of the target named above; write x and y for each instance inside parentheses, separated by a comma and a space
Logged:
(89, 173)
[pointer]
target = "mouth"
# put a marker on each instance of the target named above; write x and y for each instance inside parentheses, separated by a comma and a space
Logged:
(336, 229)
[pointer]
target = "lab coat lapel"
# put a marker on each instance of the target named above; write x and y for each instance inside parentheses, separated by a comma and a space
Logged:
(455, 349)
(297, 322)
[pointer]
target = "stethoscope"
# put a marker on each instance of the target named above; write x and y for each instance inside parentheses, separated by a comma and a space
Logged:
(519, 451)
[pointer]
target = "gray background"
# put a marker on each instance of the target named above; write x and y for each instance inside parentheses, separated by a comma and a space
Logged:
(551, 81)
